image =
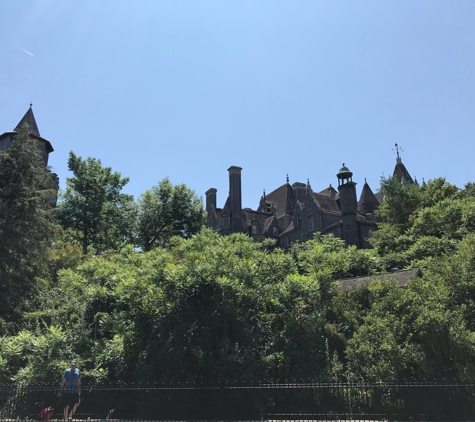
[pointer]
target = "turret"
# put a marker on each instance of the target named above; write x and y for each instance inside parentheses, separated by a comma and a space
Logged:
(44, 146)
(348, 206)
(33, 131)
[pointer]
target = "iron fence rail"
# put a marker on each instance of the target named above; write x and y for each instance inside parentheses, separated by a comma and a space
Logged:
(392, 401)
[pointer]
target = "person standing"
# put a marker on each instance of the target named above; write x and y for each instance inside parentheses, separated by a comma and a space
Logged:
(70, 390)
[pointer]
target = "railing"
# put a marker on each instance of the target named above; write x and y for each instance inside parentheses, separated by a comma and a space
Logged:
(363, 401)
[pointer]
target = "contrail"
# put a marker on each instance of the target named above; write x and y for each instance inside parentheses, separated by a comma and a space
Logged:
(26, 51)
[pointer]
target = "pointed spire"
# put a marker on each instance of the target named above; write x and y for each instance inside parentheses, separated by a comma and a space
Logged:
(368, 202)
(424, 184)
(29, 118)
(400, 171)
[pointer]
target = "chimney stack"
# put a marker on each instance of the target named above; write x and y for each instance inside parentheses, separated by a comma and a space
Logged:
(235, 201)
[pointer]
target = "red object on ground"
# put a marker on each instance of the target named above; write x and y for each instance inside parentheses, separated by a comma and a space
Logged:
(46, 414)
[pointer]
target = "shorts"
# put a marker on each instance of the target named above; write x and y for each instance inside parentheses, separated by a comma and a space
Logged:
(70, 399)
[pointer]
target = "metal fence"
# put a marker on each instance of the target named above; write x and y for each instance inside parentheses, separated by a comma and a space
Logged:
(363, 401)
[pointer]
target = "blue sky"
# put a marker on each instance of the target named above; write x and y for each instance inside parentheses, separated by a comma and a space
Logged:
(185, 89)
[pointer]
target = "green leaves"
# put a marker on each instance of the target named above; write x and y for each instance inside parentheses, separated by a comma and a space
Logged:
(93, 210)
(191, 304)
(27, 225)
(165, 211)
(410, 333)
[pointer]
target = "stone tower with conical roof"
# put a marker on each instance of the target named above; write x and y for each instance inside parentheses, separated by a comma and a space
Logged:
(348, 207)
(45, 147)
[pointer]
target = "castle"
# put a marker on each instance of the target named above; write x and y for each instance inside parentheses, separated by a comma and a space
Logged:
(44, 146)
(294, 212)
(288, 214)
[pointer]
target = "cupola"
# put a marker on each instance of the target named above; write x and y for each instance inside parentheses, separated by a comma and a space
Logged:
(344, 175)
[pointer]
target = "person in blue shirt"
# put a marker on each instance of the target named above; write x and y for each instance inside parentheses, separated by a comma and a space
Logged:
(71, 390)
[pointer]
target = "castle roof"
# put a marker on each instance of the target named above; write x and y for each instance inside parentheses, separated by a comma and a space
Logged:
(401, 277)
(330, 191)
(29, 118)
(368, 201)
(282, 200)
(33, 130)
(327, 203)
(401, 173)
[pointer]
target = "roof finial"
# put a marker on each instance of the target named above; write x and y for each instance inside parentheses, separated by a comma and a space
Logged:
(264, 193)
(287, 179)
(398, 158)
(365, 180)
(31, 104)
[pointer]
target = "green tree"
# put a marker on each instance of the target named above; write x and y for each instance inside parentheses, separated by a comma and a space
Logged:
(165, 211)
(468, 190)
(410, 333)
(410, 213)
(437, 190)
(93, 211)
(448, 219)
(27, 225)
(456, 273)
(400, 202)
(224, 308)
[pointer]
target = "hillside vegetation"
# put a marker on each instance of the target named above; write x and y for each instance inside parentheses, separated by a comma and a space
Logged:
(140, 291)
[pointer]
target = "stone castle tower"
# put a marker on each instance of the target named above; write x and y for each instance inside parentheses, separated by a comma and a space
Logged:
(348, 207)
(44, 146)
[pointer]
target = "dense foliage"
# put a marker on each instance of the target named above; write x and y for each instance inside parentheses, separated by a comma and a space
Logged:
(166, 211)
(94, 212)
(26, 224)
(191, 305)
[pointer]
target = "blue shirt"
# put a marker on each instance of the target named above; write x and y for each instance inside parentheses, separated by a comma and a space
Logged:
(72, 379)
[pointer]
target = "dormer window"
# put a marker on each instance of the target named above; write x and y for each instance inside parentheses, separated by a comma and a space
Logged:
(275, 231)
(268, 207)
(254, 229)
